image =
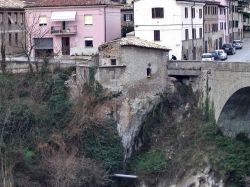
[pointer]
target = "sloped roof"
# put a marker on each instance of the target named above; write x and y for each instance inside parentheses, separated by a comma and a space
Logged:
(59, 3)
(137, 42)
(29, 2)
(11, 4)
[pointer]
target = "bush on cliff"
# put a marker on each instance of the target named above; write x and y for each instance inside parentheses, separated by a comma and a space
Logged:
(34, 108)
(179, 128)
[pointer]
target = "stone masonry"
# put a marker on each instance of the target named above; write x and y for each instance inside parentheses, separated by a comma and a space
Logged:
(220, 80)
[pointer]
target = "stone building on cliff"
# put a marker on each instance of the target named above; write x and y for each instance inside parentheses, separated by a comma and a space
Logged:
(130, 64)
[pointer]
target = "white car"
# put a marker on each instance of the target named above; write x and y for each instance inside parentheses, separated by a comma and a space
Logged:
(207, 57)
(222, 55)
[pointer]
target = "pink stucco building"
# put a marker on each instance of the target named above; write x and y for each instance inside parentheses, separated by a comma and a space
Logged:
(73, 27)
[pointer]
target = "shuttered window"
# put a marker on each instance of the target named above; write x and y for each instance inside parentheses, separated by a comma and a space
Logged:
(157, 13)
(186, 12)
(157, 35)
(42, 21)
(88, 20)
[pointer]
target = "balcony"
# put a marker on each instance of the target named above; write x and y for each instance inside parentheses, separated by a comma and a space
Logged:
(60, 30)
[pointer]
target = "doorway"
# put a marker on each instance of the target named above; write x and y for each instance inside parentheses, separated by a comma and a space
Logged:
(65, 46)
(194, 53)
(220, 43)
(63, 25)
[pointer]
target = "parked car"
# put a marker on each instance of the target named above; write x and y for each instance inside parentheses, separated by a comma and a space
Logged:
(215, 55)
(229, 49)
(207, 57)
(221, 54)
(238, 44)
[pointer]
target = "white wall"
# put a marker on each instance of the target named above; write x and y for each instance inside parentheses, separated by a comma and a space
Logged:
(172, 26)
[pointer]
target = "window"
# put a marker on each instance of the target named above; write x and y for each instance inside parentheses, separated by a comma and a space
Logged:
(200, 32)
(1, 18)
(15, 18)
(10, 39)
(16, 38)
(42, 21)
(21, 20)
(186, 34)
(157, 36)
(9, 18)
(186, 12)
(206, 47)
(128, 17)
(113, 62)
(200, 13)
(236, 24)
(88, 42)
(208, 10)
(157, 13)
(193, 12)
(88, 20)
(194, 33)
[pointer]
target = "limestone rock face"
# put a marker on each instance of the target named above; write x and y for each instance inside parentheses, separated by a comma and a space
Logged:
(204, 178)
(132, 113)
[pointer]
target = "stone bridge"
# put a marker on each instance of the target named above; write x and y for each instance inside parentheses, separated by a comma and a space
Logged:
(228, 87)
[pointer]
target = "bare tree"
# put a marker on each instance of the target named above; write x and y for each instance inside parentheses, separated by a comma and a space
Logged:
(3, 31)
(31, 31)
(5, 167)
(67, 168)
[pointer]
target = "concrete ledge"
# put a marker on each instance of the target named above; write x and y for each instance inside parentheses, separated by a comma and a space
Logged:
(117, 66)
(180, 72)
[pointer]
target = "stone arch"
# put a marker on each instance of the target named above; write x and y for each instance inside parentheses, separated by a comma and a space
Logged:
(226, 95)
(234, 118)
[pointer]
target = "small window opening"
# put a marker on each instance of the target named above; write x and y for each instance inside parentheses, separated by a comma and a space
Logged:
(149, 71)
(113, 62)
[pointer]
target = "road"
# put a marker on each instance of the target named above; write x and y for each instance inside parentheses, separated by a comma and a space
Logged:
(242, 55)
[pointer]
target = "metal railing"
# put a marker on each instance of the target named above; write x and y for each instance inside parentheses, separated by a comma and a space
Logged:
(61, 30)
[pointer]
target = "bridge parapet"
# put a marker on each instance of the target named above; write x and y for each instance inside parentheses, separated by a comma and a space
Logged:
(222, 78)
(185, 68)
(194, 68)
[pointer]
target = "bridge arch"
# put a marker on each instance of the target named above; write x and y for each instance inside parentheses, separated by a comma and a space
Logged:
(234, 117)
(224, 95)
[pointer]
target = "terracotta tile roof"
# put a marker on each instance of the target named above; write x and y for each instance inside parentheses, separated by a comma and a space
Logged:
(57, 3)
(135, 41)
(11, 4)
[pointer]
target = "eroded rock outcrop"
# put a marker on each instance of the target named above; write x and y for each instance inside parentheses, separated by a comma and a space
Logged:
(131, 117)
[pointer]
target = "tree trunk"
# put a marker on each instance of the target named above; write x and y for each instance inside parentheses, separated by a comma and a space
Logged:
(30, 65)
(3, 61)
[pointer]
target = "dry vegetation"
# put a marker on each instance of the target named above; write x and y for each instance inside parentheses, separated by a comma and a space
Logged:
(46, 140)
